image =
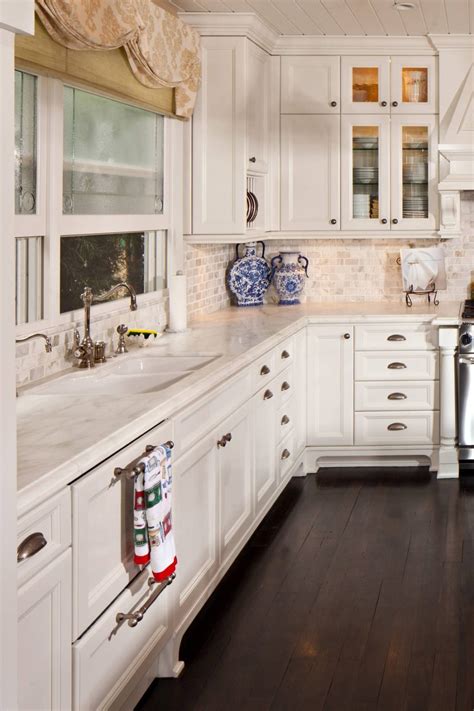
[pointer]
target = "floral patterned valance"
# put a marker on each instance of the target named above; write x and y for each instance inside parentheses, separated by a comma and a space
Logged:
(162, 50)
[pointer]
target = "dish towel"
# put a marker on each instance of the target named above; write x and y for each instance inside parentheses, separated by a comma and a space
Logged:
(153, 531)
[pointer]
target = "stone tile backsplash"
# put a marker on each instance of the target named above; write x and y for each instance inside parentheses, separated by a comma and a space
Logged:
(206, 266)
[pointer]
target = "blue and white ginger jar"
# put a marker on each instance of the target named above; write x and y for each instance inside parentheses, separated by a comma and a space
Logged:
(248, 277)
(289, 271)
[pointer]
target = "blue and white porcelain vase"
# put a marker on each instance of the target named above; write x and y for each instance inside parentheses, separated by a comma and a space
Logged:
(248, 277)
(289, 271)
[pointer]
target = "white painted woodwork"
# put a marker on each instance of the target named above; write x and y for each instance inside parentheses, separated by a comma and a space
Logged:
(395, 336)
(285, 385)
(264, 369)
(53, 519)
(298, 404)
(310, 170)
(310, 84)
(108, 655)
(287, 418)
(448, 454)
(264, 426)
(195, 484)
(17, 17)
(102, 524)
(396, 95)
(235, 477)
(397, 124)
(44, 638)
(258, 104)
(330, 371)
(348, 221)
(373, 428)
(286, 454)
(219, 150)
(415, 365)
(376, 395)
(287, 351)
(382, 64)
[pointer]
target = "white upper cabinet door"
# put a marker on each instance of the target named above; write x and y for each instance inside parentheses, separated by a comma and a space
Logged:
(310, 172)
(258, 107)
(310, 85)
(365, 85)
(330, 366)
(365, 172)
(413, 85)
(414, 172)
(219, 123)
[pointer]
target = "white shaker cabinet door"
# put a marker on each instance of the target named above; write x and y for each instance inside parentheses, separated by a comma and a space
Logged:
(310, 85)
(44, 638)
(258, 107)
(330, 385)
(310, 172)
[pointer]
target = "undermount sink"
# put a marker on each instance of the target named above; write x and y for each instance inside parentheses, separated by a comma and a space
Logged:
(132, 375)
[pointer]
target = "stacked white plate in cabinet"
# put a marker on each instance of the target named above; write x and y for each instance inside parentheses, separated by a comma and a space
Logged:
(366, 175)
(416, 173)
(415, 206)
(365, 142)
(361, 206)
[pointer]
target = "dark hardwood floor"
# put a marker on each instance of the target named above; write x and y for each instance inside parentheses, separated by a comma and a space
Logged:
(356, 593)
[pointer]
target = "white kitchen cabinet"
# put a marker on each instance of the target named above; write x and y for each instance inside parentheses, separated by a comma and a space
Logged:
(310, 172)
(44, 638)
(330, 373)
(258, 107)
(300, 392)
(413, 85)
(264, 407)
(310, 85)
(365, 85)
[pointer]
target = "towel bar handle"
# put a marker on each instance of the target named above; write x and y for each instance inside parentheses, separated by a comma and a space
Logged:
(135, 617)
(132, 469)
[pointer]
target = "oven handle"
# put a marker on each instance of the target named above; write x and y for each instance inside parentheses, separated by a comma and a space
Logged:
(466, 359)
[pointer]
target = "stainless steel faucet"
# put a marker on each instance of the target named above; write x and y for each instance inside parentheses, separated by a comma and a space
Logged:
(48, 346)
(84, 351)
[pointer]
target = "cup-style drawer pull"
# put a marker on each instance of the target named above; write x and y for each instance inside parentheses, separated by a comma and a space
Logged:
(285, 420)
(267, 395)
(285, 454)
(396, 366)
(397, 396)
(285, 385)
(285, 354)
(264, 370)
(396, 427)
(30, 546)
(396, 337)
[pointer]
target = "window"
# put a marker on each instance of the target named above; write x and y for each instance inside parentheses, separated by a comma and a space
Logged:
(90, 209)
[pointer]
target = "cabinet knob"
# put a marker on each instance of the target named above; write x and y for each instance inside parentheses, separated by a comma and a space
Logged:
(394, 103)
(30, 546)
(285, 454)
(395, 221)
(383, 103)
(347, 336)
(333, 222)
(252, 159)
(396, 427)
(384, 220)
(264, 370)
(333, 103)
(267, 395)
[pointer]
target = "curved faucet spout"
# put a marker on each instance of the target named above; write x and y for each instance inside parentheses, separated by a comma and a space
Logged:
(48, 346)
(122, 285)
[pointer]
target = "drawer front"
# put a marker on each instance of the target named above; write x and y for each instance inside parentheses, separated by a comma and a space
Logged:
(396, 428)
(286, 454)
(264, 370)
(285, 419)
(410, 365)
(111, 649)
(397, 395)
(103, 532)
(52, 520)
(196, 421)
(396, 337)
(285, 385)
(284, 354)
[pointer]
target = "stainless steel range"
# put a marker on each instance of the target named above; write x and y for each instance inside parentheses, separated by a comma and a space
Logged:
(466, 386)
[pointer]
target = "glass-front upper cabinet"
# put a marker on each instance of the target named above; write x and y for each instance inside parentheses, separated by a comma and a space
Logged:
(25, 143)
(414, 174)
(365, 178)
(413, 85)
(365, 85)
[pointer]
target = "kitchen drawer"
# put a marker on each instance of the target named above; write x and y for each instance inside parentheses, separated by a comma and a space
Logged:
(285, 385)
(264, 369)
(111, 649)
(193, 423)
(102, 509)
(52, 520)
(396, 337)
(396, 428)
(284, 354)
(397, 395)
(384, 365)
(285, 419)
(286, 454)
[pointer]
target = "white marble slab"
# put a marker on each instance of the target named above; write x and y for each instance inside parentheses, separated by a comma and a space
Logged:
(60, 437)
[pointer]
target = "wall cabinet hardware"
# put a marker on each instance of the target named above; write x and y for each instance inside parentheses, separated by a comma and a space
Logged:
(223, 440)
(396, 337)
(253, 159)
(264, 370)
(267, 395)
(396, 427)
(333, 222)
(384, 221)
(285, 454)
(285, 385)
(135, 617)
(30, 546)
(285, 354)
(396, 366)
(333, 104)
(396, 396)
(394, 103)
(134, 467)
(347, 336)
(285, 420)
(395, 221)
(383, 103)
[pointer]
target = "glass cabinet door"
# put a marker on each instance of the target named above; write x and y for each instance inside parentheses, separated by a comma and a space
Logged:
(413, 85)
(365, 84)
(414, 174)
(365, 186)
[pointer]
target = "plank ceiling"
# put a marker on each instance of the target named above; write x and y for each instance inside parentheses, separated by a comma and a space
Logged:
(348, 17)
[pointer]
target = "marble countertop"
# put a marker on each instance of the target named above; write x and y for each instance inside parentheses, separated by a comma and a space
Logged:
(60, 437)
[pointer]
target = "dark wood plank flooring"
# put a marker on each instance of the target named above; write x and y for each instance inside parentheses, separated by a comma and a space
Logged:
(356, 593)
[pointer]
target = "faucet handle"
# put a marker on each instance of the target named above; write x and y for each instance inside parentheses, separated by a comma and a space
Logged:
(121, 347)
(76, 337)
